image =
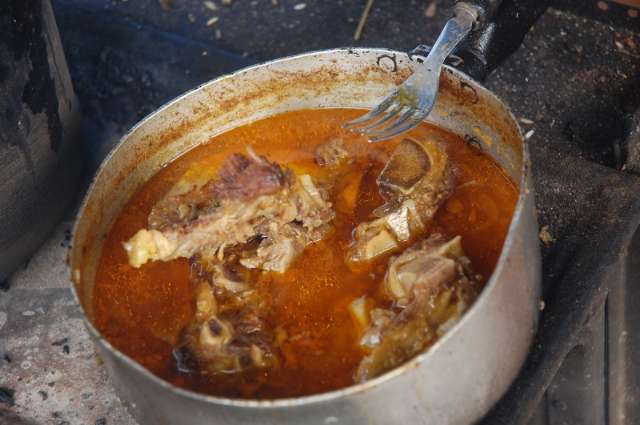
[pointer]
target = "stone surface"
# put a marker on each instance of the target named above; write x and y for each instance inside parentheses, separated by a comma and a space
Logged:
(46, 355)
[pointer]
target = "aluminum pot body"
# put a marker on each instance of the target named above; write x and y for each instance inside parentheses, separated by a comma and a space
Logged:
(458, 379)
(40, 159)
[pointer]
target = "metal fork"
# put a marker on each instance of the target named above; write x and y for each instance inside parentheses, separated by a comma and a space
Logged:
(412, 101)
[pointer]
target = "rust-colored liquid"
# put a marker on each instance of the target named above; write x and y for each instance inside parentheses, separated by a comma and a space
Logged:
(142, 311)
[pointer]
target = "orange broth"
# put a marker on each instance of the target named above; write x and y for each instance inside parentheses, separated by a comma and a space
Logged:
(142, 311)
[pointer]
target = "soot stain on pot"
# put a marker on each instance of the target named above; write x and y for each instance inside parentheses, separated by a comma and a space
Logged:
(473, 142)
(459, 90)
(380, 61)
(23, 34)
(470, 90)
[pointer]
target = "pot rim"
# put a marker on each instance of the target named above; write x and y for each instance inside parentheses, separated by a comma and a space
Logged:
(351, 389)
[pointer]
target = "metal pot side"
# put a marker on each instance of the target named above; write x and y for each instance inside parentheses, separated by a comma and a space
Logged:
(40, 144)
(454, 382)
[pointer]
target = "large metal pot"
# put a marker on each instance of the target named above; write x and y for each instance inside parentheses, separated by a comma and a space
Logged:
(454, 382)
(40, 158)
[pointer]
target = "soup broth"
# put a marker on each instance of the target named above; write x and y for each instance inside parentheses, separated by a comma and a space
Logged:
(143, 311)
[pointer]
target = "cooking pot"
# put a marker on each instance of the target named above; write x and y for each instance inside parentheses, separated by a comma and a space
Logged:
(460, 377)
(40, 159)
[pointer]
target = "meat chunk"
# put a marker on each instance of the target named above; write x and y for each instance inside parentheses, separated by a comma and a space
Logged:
(414, 183)
(418, 170)
(179, 210)
(227, 334)
(246, 178)
(332, 153)
(385, 235)
(224, 272)
(240, 177)
(254, 215)
(279, 250)
(372, 239)
(431, 284)
(251, 198)
(423, 268)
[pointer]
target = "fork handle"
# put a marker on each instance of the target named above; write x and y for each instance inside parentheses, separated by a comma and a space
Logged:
(498, 32)
(485, 9)
(454, 31)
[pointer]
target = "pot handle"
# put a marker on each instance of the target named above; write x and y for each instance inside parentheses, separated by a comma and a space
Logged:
(499, 30)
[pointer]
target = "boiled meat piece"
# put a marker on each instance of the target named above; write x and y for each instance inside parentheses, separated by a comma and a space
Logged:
(251, 198)
(279, 250)
(240, 177)
(431, 284)
(414, 183)
(227, 333)
(331, 153)
(418, 170)
(254, 215)
(422, 268)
